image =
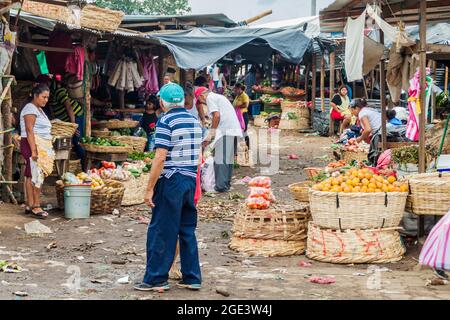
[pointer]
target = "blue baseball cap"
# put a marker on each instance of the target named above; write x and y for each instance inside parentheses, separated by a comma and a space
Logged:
(171, 93)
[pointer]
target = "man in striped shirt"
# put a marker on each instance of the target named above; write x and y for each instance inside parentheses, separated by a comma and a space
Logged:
(170, 192)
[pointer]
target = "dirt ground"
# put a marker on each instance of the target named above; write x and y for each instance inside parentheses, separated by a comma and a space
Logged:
(86, 258)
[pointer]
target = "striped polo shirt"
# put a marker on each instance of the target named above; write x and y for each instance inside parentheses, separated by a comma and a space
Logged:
(179, 133)
(57, 100)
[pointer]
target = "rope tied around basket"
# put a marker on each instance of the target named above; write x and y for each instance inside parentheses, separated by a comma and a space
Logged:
(385, 199)
(337, 200)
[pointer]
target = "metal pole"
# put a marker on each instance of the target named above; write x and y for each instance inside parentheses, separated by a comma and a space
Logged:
(383, 98)
(313, 7)
(423, 57)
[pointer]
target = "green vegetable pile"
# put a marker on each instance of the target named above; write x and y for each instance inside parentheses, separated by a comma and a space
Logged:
(136, 155)
(406, 155)
(292, 116)
(97, 141)
(442, 100)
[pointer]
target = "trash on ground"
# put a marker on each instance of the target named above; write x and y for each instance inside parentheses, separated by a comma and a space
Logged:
(293, 156)
(124, 280)
(20, 293)
(304, 264)
(51, 245)
(322, 280)
(7, 267)
(222, 291)
(36, 228)
(436, 282)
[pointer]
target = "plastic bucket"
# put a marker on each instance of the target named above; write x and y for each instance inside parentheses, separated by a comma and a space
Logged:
(77, 202)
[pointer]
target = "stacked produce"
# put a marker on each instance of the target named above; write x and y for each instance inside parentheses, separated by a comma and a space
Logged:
(353, 207)
(92, 179)
(266, 228)
(295, 113)
(98, 141)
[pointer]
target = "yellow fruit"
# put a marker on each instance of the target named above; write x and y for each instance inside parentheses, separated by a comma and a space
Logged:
(391, 179)
(385, 188)
(355, 174)
(372, 185)
(334, 182)
(335, 189)
(379, 185)
(347, 190)
(356, 181)
(371, 190)
(378, 190)
(365, 182)
(316, 187)
(364, 189)
(404, 188)
(391, 188)
(385, 182)
(357, 189)
(368, 176)
(361, 175)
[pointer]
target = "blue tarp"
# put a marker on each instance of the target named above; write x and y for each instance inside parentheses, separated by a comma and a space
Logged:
(201, 47)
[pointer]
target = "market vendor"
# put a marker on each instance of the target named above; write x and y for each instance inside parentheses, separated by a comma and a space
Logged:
(241, 103)
(369, 118)
(149, 120)
(223, 134)
(67, 109)
(36, 148)
(340, 108)
(170, 192)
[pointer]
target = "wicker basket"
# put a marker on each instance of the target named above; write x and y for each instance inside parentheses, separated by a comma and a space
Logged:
(135, 190)
(63, 129)
(349, 156)
(278, 223)
(117, 124)
(75, 166)
(267, 248)
(100, 19)
(430, 194)
(52, 11)
(300, 190)
(107, 198)
(137, 143)
(409, 206)
(103, 199)
(289, 124)
(101, 133)
(357, 210)
(299, 111)
(354, 246)
(294, 98)
(106, 149)
(259, 121)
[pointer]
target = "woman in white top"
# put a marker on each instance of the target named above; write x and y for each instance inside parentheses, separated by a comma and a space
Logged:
(34, 125)
(369, 118)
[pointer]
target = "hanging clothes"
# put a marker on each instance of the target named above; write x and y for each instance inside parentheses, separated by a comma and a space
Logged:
(75, 62)
(126, 76)
(150, 74)
(412, 127)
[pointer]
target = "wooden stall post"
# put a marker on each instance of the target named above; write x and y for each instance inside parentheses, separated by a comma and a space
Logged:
(6, 103)
(87, 94)
(433, 97)
(423, 57)
(313, 81)
(307, 70)
(332, 82)
(383, 98)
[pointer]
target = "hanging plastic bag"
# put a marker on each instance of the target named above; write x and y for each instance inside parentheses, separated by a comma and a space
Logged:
(207, 175)
(140, 132)
(42, 61)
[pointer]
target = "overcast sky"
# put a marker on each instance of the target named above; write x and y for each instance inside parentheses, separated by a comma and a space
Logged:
(243, 9)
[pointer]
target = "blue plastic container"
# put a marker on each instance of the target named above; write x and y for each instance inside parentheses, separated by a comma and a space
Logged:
(77, 201)
(255, 109)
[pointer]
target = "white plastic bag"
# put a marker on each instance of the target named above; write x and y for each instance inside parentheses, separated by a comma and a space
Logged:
(207, 175)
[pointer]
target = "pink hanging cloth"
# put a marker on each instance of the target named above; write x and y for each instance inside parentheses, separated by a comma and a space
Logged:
(412, 127)
(75, 62)
(151, 85)
(436, 250)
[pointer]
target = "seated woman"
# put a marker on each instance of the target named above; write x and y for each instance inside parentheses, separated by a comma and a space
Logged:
(340, 108)
(369, 118)
(392, 119)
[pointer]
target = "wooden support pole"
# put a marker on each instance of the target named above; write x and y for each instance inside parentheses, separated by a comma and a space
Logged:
(433, 96)
(423, 57)
(332, 58)
(313, 81)
(383, 98)
(322, 83)
(307, 70)
(446, 80)
(87, 96)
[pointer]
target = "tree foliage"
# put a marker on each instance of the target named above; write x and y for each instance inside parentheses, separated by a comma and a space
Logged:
(150, 7)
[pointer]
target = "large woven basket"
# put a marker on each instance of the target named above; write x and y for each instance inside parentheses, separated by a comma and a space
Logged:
(75, 166)
(103, 199)
(63, 129)
(289, 124)
(101, 133)
(135, 190)
(354, 246)
(357, 210)
(278, 223)
(294, 98)
(106, 149)
(107, 198)
(300, 190)
(259, 121)
(100, 18)
(349, 156)
(430, 194)
(47, 10)
(137, 143)
(117, 124)
(267, 248)
(300, 110)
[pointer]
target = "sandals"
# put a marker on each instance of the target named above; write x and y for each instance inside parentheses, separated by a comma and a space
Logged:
(40, 214)
(27, 210)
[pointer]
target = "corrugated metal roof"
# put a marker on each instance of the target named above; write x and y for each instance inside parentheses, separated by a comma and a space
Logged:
(217, 19)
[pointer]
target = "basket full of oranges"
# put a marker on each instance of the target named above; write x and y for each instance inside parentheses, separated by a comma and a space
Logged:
(358, 199)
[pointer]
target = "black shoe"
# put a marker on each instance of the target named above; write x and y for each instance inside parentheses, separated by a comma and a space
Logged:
(194, 286)
(148, 287)
(440, 274)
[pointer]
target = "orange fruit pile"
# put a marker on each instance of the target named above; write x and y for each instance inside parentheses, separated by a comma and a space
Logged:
(361, 180)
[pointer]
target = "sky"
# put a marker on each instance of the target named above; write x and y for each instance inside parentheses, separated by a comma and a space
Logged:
(239, 10)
